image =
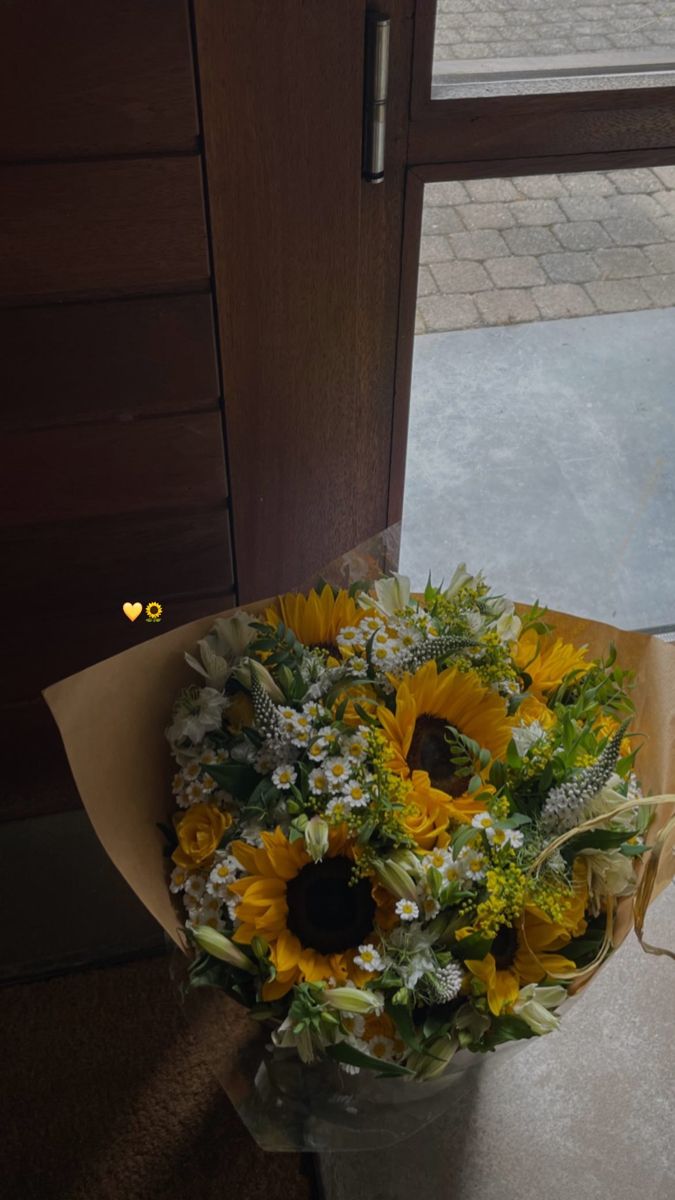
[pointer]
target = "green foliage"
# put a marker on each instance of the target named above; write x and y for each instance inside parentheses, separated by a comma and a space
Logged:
(344, 1053)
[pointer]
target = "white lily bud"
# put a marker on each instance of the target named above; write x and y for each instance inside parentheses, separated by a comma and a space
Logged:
(432, 1063)
(353, 1000)
(316, 838)
(249, 669)
(396, 880)
(409, 861)
(219, 946)
(533, 1007)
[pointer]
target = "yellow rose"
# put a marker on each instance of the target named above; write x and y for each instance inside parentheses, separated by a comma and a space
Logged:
(199, 832)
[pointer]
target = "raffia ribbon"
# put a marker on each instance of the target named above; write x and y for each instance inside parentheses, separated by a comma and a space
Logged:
(644, 892)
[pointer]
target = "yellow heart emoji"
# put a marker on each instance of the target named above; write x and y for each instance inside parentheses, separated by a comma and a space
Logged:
(132, 611)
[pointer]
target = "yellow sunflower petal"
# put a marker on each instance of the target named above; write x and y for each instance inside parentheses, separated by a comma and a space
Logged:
(286, 951)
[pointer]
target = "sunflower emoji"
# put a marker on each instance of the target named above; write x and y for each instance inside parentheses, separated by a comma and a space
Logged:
(153, 611)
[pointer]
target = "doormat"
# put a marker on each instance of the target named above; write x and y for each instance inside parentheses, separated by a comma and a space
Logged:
(106, 1094)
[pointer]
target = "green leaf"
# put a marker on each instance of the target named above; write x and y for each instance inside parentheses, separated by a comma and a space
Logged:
(508, 1029)
(633, 851)
(343, 1052)
(239, 779)
(594, 839)
(512, 756)
(476, 945)
(403, 1021)
(462, 838)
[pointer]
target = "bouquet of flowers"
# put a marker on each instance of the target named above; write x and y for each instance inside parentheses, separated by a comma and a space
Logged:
(404, 824)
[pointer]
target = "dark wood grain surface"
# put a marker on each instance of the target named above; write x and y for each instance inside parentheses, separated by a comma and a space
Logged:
(106, 560)
(306, 268)
(36, 778)
(70, 230)
(95, 78)
(110, 360)
(173, 462)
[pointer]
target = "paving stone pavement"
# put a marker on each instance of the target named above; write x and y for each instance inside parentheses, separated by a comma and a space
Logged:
(541, 247)
(497, 29)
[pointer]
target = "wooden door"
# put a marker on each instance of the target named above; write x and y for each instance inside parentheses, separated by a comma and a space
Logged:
(199, 300)
(307, 269)
(115, 484)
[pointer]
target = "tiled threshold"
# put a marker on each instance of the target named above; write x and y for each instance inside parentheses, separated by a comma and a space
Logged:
(64, 905)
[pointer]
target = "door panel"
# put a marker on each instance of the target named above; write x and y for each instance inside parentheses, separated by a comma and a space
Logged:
(120, 467)
(113, 360)
(96, 77)
(69, 230)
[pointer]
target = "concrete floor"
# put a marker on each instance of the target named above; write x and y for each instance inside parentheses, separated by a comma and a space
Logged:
(544, 454)
(586, 1112)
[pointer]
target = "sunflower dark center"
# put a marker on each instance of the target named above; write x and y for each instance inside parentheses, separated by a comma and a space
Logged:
(329, 647)
(504, 947)
(429, 751)
(325, 911)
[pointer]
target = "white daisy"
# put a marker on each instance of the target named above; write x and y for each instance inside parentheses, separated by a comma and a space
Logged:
(318, 749)
(381, 1047)
(318, 782)
(482, 820)
(505, 837)
(474, 865)
(337, 809)
(369, 959)
(337, 770)
(437, 858)
(284, 777)
(355, 794)
(178, 879)
(430, 907)
(194, 886)
(407, 910)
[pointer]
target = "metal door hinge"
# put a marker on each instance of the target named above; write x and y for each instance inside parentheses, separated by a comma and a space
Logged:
(375, 99)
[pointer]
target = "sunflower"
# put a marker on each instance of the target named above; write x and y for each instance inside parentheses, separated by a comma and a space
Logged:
(547, 662)
(316, 619)
(426, 703)
(312, 915)
(527, 953)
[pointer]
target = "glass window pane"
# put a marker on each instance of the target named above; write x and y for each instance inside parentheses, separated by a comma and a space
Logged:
(480, 42)
(542, 429)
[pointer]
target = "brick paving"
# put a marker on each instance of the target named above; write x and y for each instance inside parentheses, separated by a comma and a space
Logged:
(498, 29)
(504, 251)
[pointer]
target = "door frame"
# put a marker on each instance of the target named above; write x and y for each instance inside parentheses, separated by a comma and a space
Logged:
(498, 137)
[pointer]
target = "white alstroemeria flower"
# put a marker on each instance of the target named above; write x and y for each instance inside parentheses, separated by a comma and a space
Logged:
(222, 646)
(533, 1007)
(414, 957)
(197, 712)
(509, 626)
(606, 800)
(608, 873)
(526, 736)
(392, 594)
(286, 1038)
(459, 578)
